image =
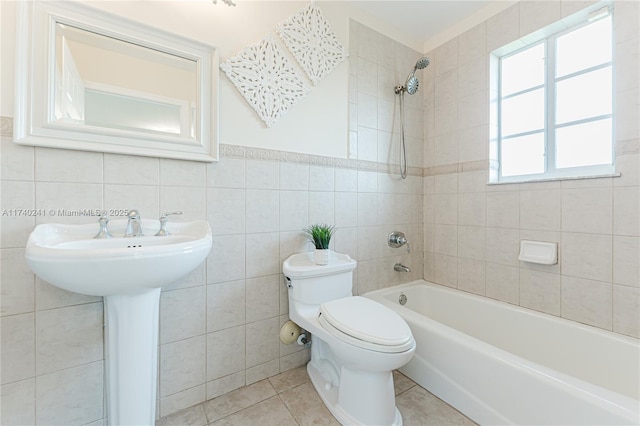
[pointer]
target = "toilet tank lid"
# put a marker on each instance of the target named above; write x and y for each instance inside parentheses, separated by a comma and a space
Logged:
(302, 265)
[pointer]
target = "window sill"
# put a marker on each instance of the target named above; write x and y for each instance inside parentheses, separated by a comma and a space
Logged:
(551, 179)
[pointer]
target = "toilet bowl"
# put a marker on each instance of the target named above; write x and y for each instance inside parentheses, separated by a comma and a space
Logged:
(356, 342)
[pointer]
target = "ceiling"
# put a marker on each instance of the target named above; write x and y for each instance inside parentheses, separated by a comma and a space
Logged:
(424, 19)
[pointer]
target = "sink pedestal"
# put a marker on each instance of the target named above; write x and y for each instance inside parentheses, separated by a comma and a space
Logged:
(128, 273)
(131, 355)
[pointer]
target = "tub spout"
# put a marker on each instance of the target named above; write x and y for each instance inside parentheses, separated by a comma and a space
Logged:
(399, 267)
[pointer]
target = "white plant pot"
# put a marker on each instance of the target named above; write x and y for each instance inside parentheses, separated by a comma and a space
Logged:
(321, 256)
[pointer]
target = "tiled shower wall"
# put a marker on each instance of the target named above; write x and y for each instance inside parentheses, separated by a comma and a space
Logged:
(377, 64)
(219, 327)
(473, 230)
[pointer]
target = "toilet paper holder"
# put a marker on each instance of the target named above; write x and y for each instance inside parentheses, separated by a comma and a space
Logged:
(290, 332)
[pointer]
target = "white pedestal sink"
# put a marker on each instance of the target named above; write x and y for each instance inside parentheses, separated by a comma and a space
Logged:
(128, 272)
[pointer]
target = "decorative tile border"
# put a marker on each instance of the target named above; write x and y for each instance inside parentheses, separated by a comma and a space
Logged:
(6, 126)
(237, 151)
(629, 146)
(447, 169)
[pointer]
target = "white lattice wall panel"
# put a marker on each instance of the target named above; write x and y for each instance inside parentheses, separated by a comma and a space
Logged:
(266, 79)
(312, 42)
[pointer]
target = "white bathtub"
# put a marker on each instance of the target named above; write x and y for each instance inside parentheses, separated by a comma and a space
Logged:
(501, 364)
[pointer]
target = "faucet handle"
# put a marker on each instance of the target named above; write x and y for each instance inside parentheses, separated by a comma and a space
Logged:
(165, 216)
(103, 221)
(164, 232)
(133, 214)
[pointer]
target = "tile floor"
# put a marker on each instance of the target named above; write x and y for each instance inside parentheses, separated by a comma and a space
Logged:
(290, 399)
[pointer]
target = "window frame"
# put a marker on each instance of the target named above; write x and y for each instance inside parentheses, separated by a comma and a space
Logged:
(548, 37)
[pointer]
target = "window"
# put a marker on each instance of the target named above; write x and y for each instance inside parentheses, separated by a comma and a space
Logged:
(555, 105)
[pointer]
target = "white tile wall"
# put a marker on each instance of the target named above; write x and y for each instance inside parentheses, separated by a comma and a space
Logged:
(18, 347)
(68, 337)
(15, 230)
(262, 214)
(226, 305)
(537, 14)
(587, 256)
(626, 310)
(541, 210)
(131, 170)
(262, 297)
(540, 291)
(17, 283)
(503, 283)
(182, 365)
(237, 297)
(588, 301)
(183, 314)
(82, 399)
(626, 252)
(225, 352)
(596, 222)
(55, 165)
(17, 401)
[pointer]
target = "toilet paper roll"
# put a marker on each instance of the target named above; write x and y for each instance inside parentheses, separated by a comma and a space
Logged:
(289, 332)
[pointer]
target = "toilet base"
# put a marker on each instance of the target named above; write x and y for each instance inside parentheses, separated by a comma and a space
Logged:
(329, 392)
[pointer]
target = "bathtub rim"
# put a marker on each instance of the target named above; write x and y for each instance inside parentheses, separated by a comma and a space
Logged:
(602, 395)
(531, 312)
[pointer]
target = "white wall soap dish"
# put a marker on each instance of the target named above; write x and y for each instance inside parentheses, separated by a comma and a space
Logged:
(538, 252)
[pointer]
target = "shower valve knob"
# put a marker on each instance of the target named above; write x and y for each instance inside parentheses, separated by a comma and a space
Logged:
(397, 239)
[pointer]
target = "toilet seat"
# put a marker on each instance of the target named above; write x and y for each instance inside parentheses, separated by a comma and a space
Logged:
(367, 324)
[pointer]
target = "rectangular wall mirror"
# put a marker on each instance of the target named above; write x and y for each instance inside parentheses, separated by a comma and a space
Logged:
(88, 80)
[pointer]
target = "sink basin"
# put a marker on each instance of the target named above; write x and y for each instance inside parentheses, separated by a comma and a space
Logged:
(128, 272)
(67, 256)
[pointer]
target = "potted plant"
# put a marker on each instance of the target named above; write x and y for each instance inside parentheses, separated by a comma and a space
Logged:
(320, 235)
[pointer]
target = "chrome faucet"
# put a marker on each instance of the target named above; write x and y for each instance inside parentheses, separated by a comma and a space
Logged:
(399, 267)
(103, 232)
(134, 226)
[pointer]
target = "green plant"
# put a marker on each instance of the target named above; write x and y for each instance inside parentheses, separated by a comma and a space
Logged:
(320, 235)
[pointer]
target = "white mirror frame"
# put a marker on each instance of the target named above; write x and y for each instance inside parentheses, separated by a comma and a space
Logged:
(35, 85)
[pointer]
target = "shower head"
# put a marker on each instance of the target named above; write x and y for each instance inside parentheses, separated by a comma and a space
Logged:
(422, 63)
(411, 84)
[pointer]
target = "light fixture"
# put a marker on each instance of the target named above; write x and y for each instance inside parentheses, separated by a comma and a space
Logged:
(227, 2)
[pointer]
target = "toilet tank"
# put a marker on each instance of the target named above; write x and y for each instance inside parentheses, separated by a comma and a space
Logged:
(315, 284)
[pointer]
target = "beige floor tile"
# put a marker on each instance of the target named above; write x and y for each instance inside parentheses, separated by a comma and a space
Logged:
(271, 412)
(307, 408)
(290, 399)
(421, 408)
(192, 416)
(238, 399)
(401, 382)
(289, 379)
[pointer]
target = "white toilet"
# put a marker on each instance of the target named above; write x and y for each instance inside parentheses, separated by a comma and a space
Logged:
(356, 342)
